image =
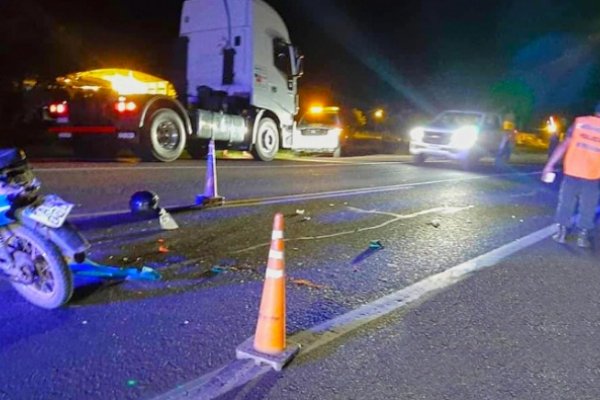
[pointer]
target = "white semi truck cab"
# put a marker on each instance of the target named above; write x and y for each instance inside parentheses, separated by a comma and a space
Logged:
(240, 89)
(242, 73)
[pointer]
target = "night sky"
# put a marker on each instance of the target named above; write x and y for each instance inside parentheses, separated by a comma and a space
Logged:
(424, 55)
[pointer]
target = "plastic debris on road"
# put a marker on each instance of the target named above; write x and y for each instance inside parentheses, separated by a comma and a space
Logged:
(90, 268)
(299, 212)
(435, 223)
(375, 245)
(166, 220)
(217, 269)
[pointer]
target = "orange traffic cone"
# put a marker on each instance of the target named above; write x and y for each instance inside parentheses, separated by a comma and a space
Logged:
(270, 329)
(269, 343)
(210, 195)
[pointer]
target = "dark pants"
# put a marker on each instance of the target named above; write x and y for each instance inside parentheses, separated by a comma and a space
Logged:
(572, 190)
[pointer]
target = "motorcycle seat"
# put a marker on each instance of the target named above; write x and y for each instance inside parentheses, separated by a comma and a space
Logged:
(9, 157)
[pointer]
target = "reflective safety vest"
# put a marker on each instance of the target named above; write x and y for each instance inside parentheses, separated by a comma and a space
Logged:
(583, 155)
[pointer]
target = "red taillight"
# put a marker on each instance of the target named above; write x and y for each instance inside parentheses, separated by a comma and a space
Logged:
(123, 106)
(58, 109)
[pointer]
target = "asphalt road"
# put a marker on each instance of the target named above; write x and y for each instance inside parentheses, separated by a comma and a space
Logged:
(139, 339)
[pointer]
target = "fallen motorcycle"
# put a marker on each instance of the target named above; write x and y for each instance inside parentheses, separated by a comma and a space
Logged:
(39, 249)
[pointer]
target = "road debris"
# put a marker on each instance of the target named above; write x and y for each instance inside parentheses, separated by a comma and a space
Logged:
(375, 245)
(435, 223)
(307, 283)
(300, 212)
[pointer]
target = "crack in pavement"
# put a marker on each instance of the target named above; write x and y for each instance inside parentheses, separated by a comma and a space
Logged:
(396, 218)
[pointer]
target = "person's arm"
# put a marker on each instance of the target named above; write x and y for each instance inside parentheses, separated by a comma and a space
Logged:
(557, 155)
(559, 152)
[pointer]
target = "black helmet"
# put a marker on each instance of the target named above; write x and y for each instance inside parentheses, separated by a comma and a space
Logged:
(143, 201)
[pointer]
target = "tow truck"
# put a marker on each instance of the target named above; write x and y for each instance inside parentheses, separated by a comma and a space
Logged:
(240, 90)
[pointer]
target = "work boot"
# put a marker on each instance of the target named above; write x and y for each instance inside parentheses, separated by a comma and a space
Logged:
(561, 235)
(583, 239)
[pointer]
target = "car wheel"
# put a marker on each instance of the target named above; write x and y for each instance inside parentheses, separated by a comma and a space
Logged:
(469, 162)
(419, 159)
(503, 156)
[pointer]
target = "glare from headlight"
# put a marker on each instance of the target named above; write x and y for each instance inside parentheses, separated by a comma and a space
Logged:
(464, 137)
(335, 131)
(416, 134)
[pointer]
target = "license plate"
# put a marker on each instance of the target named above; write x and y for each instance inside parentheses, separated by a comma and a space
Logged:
(52, 212)
(65, 135)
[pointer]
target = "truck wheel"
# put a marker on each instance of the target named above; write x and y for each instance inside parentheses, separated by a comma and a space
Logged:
(198, 149)
(165, 136)
(267, 140)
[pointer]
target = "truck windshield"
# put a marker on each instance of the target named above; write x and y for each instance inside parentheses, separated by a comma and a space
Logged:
(456, 119)
(327, 119)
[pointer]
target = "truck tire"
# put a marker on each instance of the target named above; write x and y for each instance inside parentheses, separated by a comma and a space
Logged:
(165, 136)
(267, 140)
(197, 149)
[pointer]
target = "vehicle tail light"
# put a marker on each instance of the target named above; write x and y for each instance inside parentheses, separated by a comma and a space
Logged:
(58, 109)
(123, 106)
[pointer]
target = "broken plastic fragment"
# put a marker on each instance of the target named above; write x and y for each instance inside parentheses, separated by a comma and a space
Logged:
(299, 212)
(375, 245)
(217, 269)
(435, 223)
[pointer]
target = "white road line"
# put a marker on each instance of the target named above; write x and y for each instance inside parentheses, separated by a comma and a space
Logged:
(239, 373)
(317, 195)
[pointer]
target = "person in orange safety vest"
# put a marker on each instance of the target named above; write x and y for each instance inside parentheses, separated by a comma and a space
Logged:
(581, 182)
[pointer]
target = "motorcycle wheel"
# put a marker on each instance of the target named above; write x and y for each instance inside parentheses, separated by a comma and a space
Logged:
(51, 283)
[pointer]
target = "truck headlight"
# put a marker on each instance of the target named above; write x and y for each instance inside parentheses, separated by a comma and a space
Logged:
(464, 137)
(416, 134)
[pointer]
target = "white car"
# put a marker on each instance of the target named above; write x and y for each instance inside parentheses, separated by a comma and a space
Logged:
(465, 136)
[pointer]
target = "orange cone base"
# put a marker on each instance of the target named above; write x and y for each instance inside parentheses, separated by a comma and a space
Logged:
(202, 200)
(277, 361)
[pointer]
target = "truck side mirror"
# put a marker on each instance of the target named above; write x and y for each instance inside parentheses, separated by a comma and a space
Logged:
(299, 67)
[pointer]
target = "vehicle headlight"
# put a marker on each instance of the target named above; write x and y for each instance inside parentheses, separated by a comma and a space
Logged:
(464, 137)
(416, 134)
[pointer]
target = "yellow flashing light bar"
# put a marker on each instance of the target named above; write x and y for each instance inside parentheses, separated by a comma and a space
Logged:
(122, 81)
(321, 109)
